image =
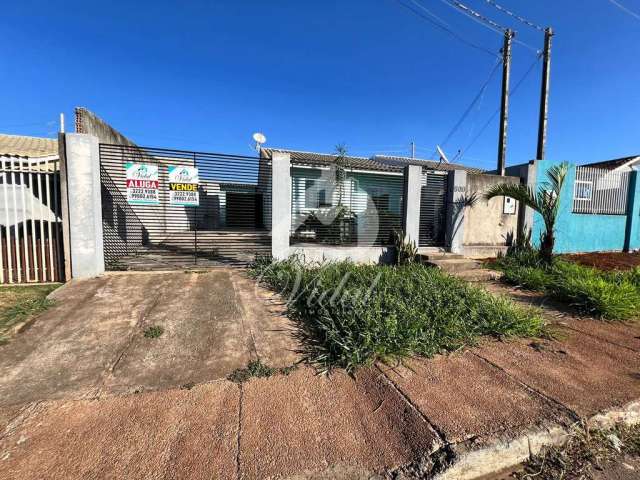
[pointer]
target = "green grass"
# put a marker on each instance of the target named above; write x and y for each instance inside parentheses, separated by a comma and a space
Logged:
(153, 331)
(19, 304)
(608, 295)
(350, 315)
(257, 369)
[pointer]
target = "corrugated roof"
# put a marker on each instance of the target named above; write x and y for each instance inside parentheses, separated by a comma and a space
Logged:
(377, 162)
(613, 164)
(21, 146)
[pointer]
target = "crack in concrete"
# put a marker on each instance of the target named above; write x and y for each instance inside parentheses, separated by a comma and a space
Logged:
(246, 331)
(598, 337)
(240, 399)
(545, 397)
(441, 436)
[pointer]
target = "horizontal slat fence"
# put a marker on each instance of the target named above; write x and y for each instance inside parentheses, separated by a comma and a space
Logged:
(600, 192)
(30, 221)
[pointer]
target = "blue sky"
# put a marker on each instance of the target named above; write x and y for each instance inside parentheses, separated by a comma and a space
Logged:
(367, 73)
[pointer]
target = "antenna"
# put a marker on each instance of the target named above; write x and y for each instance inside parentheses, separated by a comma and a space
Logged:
(443, 156)
(259, 139)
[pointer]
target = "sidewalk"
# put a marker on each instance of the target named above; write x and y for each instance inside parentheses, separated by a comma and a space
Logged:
(409, 419)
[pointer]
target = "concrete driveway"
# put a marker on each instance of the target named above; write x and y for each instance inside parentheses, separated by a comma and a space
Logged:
(91, 342)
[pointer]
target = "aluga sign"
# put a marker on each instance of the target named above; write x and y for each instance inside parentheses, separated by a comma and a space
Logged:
(183, 186)
(142, 184)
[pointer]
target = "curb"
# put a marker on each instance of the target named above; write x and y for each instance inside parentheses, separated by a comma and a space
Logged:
(501, 455)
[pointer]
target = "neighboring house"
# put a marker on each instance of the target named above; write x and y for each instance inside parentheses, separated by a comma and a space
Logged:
(30, 233)
(23, 161)
(623, 164)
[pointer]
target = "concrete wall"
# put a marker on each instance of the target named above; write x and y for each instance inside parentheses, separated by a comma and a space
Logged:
(369, 255)
(486, 226)
(89, 123)
(588, 232)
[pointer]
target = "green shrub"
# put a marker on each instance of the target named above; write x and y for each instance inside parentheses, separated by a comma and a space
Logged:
(610, 295)
(351, 315)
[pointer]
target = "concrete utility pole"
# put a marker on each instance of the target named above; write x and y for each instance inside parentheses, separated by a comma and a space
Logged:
(504, 105)
(413, 150)
(544, 95)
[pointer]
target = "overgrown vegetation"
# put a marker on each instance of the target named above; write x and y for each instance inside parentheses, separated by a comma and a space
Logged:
(586, 452)
(19, 304)
(154, 331)
(350, 315)
(257, 369)
(609, 295)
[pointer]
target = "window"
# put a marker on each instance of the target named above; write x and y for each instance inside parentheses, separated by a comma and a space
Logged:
(322, 199)
(310, 194)
(583, 190)
(314, 196)
(381, 202)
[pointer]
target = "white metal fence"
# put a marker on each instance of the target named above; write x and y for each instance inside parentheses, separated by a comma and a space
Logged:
(30, 220)
(600, 192)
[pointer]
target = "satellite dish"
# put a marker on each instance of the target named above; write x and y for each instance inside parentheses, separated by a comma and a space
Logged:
(443, 156)
(259, 138)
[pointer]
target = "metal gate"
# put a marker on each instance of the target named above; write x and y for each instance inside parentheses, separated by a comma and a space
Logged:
(30, 220)
(433, 206)
(229, 226)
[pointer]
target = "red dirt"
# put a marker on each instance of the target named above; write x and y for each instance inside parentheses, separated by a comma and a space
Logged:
(607, 260)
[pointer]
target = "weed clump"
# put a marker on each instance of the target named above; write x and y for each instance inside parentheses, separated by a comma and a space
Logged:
(153, 331)
(350, 315)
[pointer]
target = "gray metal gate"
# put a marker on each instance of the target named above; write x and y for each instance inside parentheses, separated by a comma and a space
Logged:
(433, 206)
(229, 226)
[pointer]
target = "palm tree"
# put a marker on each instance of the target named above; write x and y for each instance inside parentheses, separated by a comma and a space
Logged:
(546, 202)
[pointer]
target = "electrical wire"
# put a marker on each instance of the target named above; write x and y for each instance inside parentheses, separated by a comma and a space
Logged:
(476, 16)
(513, 92)
(514, 15)
(625, 9)
(447, 29)
(468, 110)
(486, 22)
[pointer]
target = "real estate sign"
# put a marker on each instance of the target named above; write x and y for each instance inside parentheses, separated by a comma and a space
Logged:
(142, 184)
(183, 186)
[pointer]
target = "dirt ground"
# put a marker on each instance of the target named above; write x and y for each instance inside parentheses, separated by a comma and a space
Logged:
(607, 260)
(92, 343)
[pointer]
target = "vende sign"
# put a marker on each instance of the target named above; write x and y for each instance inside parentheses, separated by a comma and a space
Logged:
(183, 186)
(142, 184)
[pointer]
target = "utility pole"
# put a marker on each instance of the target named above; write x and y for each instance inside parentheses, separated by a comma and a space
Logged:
(413, 150)
(544, 95)
(504, 104)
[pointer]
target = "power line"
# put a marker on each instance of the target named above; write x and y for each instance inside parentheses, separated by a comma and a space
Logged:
(429, 12)
(471, 105)
(513, 92)
(625, 9)
(484, 21)
(517, 17)
(478, 17)
(447, 29)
